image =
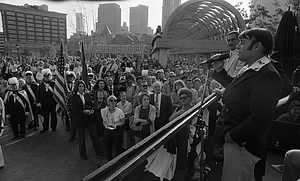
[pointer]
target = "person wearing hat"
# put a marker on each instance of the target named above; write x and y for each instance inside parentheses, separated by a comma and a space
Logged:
(17, 108)
(31, 88)
(293, 115)
(46, 102)
(90, 80)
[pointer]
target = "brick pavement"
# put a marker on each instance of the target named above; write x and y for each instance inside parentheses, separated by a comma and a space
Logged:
(45, 156)
(50, 156)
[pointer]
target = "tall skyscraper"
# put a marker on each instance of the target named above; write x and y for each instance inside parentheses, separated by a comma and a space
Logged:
(168, 7)
(109, 15)
(138, 19)
(79, 23)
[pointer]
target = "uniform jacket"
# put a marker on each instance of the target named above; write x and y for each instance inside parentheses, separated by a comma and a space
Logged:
(46, 97)
(249, 105)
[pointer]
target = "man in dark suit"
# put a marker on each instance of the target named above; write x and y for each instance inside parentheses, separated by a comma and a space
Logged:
(249, 104)
(31, 89)
(112, 89)
(46, 101)
(163, 105)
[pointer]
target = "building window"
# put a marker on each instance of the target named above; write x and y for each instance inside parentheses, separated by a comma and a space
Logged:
(53, 19)
(46, 18)
(38, 17)
(38, 21)
(39, 29)
(46, 34)
(10, 13)
(30, 33)
(12, 31)
(31, 37)
(21, 19)
(21, 23)
(62, 28)
(21, 14)
(39, 34)
(47, 22)
(62, 24)
(30, 20)
(54, 31)
(39, 38)
(29, 16)
(21, 28)
(11, 17)
(11, 22)
(46, 26)
(30, 24)
(12, 36)
(22, 32)
(47, 30)
(47, 38)
(54, 27)
(30, 29)
(12, 27)
(61, 20)
(22, 36)
(38, 25)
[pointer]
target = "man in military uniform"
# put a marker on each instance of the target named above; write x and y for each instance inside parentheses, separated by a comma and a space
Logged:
(31, 89)
(46, 101)
(17, 108)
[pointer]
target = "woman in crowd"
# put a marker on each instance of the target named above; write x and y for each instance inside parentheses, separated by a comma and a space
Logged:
(144, 116)
(113, 120)
(178, 84)
(185, 96)
(84, 119)
(100, 85)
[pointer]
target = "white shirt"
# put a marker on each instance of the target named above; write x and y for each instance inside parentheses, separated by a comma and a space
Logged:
(110, 119)
(159, 102)
(256, 66)
(81, 97)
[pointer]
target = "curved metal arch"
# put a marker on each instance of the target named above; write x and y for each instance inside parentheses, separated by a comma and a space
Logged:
(203, 19)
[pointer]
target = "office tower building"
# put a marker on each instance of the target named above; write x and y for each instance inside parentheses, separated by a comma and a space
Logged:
(109, 15)
(138, 21)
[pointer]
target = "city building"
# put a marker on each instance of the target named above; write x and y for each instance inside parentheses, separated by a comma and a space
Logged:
(80, 25)
(138, 20)
(168, 7)
(109, 15)
(33, 28)
(124, 28)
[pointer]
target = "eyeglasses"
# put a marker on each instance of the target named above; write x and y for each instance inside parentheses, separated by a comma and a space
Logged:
(183, 98)
(112, 100)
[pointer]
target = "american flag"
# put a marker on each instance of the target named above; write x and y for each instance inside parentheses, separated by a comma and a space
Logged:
(60, 84)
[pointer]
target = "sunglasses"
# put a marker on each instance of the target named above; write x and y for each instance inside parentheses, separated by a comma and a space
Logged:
(183, 98)
(145, 86)
(112, 100)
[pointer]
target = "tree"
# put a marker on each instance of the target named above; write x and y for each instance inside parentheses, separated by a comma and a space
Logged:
(295, 7)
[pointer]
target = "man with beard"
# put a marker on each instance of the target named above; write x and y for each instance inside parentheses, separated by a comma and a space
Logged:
(17, 108)
(46, 101)
(31, 88)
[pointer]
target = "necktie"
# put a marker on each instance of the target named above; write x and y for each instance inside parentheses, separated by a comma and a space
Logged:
(156, 105)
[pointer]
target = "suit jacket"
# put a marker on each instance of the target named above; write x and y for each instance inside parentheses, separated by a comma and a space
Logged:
(46, 98)
(249, 105)
(165, 110)
(77, 110)
(34, 87)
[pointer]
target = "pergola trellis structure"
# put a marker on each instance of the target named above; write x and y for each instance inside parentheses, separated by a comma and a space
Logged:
(198, 26)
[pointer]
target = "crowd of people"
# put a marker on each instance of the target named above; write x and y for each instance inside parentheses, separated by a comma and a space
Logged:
(127, 99)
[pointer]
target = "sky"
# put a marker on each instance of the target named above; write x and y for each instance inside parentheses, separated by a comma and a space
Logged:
(90, 8)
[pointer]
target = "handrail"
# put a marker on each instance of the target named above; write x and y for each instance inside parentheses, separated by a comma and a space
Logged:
(126, 162)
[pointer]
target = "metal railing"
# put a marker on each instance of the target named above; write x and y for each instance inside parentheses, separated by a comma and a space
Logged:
(125, 163)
